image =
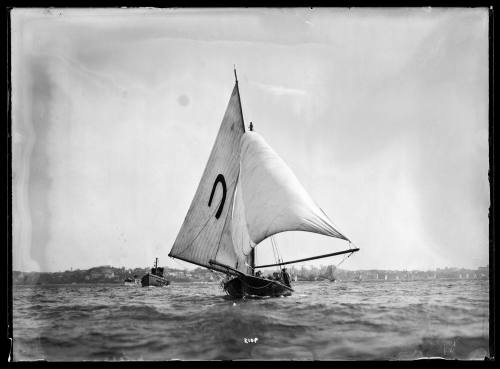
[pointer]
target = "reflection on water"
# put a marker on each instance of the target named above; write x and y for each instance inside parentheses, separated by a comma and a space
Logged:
(193, 321)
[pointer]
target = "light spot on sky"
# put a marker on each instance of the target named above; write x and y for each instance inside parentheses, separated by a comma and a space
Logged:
(183, 100)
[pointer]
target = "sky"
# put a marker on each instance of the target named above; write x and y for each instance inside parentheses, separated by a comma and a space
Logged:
(382, 114)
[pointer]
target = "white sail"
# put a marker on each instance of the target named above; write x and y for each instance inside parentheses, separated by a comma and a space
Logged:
(206, 229)
(228, 254)
(270, 199)
(242, 242)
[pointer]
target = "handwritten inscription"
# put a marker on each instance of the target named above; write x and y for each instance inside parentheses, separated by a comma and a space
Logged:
(449, 348)
(250, 340)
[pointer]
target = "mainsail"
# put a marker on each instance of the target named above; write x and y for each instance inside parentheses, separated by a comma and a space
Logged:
(270, 199)
(204, 233)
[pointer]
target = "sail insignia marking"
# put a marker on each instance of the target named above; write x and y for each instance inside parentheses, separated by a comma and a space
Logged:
(205, 224)
(220, 178)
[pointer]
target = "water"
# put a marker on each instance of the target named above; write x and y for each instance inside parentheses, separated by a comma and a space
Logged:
(195, 321)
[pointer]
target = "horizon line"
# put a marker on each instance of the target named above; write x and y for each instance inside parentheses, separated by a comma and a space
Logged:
(364, 269)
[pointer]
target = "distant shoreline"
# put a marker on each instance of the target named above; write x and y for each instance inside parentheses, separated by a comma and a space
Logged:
(117, 276)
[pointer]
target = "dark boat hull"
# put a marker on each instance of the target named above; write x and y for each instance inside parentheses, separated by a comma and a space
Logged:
(248, 285)
(153, 280)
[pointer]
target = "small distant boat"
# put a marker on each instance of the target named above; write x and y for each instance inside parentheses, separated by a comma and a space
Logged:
(155, 278)
(330, 273)
(132, 281)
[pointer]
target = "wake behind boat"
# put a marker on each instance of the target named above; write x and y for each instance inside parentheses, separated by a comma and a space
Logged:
(247, 194)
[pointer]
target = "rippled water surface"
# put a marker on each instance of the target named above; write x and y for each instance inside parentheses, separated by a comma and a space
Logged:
(193, 321)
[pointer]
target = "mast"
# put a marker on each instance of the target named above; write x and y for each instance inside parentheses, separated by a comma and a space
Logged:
(239, 97)
(251, 256)
(252, 253)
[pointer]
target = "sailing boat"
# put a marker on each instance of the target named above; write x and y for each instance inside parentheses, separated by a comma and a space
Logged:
(330, 273)
(246, 194)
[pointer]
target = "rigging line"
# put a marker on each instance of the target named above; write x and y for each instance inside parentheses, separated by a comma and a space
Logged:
(276, 256)
(344, 259)
(280, 260)
(277, 251)
(272, 248)
(352, 243)
(341, 261)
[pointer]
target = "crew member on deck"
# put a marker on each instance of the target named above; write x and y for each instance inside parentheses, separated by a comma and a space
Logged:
(286, 277)
(250, 126)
